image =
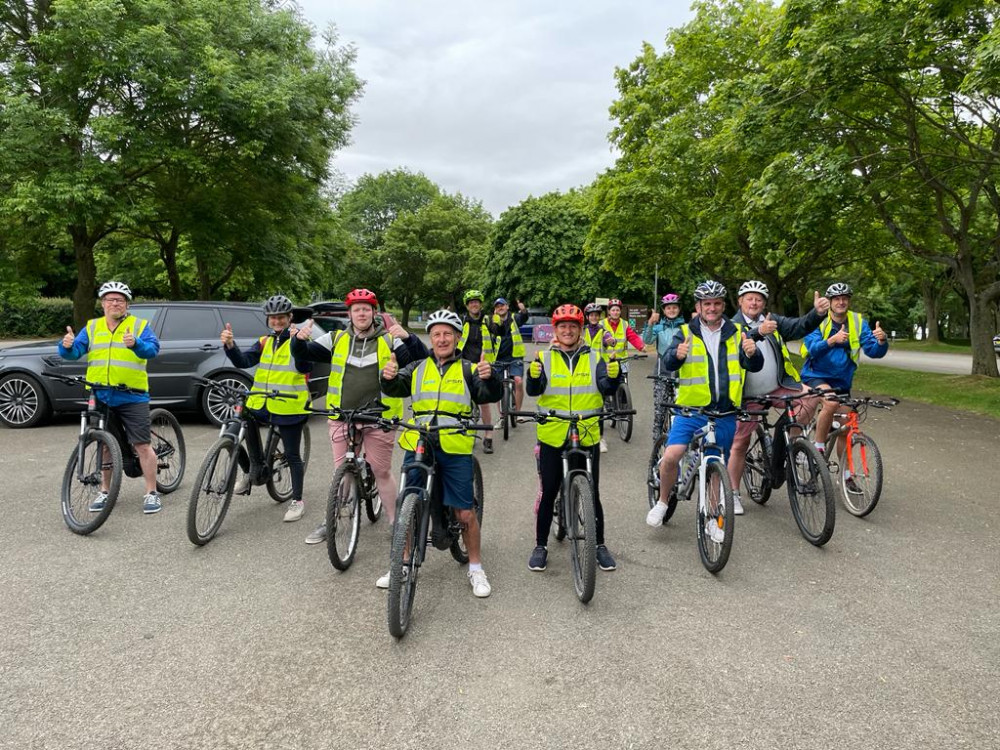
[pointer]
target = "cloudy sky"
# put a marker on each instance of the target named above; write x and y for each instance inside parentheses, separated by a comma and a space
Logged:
(497, 99)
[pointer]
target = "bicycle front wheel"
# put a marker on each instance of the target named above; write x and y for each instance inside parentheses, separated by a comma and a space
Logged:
(343, 516)
(581, 529)
(373, 500)
(213, 489)
(279, 478)
(505, 408)
(458, 548)
(167, 442)
(757, 470)
(404, 564)
(862, 489)
(82, 482)
(715, 518)
(810, 492)
(623, 401)
(653, 479)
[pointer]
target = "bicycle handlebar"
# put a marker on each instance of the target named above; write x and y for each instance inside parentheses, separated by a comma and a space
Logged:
(239, 393)
(689, 411)
(80, 380)
(543, 417)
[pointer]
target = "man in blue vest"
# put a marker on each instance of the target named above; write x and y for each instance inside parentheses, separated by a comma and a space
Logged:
(118, 345)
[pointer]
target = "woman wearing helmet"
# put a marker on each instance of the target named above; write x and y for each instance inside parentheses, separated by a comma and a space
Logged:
(440, 385)
(662, 330)
(356, 355)
(476, 343)
(272, 355)
(622, 332)
(593, 379)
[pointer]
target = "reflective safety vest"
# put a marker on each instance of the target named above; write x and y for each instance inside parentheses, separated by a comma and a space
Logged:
(515, 335)
(276, 372)
(487, 339)
(620, 341)
(693, 377)
(433, 392)
(596, 342)
(109, 361)
(853, 324)
(786, 358)
(338, 361)
(574, 392)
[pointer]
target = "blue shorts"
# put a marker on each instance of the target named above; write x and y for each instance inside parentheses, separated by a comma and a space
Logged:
(453, 474)
(682, 429)
(514, 366)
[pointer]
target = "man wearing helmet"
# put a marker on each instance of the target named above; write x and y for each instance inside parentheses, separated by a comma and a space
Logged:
(570, 377)
(832, 352)
(117, 346)
(445, 384)
(662, 330)
(711, 355)
(276, 370)
(477, 343)
(510, 347)
(778, 376)
(356, 356)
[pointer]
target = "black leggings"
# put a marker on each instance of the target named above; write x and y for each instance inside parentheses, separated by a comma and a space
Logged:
(291, 437)
(550, 468)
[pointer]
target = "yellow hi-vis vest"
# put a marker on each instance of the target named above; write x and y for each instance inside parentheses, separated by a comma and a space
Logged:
(596, 342)
(621, 343)
(276, 372)
(853, 324)
(693, 386)
(433, 392)
(338, 361)
(515, 335)
(786, 358)
(487, 339)
(109, 361)
(573, 392)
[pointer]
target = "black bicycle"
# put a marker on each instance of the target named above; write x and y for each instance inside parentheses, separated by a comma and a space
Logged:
(508, 420)
(415, 506)
(776, 456)
(238, 452)
(103, 453)
(621, 402)
(665, 386)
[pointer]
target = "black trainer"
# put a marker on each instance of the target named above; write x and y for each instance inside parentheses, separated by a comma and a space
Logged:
(487, 445)
(539, 559)
(604, 558)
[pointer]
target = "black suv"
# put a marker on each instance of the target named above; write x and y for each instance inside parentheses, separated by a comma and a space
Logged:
(189, 346)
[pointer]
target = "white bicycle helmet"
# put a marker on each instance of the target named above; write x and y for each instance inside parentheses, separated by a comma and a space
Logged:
(114, 286)
(709, 290)
(753, 286)
(444, 316)
(838, 289)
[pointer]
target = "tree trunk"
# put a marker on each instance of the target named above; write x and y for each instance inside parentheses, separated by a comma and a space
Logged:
(984, 358)
(931, 308)
(168, 254)
(407, 305)
(86, 277)
(204, 280)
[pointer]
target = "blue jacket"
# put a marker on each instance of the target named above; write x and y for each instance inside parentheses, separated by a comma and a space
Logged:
(833, 364)
(146, 346)
(662, 332)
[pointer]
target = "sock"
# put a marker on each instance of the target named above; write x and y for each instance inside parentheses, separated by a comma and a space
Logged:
(847, 473)
(475, 566)
(820, 446)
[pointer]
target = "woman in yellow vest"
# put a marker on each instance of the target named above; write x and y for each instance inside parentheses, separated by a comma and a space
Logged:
(277, 370)
(570, 377)
(441, 385)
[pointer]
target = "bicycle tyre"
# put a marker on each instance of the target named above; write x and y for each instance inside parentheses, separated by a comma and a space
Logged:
(757, 470)
(343, 516)
(167, 442)
(653, 479)
(458, 549)
(212, 491)
(714, 555)
(403, 573)
(505, 417)
(865, 456)
(279, 477)
(623, 402)
(581, 529)
(78, 493)
(373, 500)
(810, 492)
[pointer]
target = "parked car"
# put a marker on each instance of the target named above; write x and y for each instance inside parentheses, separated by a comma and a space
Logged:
(189, 346)
(996, 343)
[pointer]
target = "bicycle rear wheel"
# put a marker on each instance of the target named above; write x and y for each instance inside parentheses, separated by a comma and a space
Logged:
(373, 500)
(715, 515)
(861, 492)
(505, 408)
(404, 564)
(167, 442)
(279, 478)
(653, 479)
(623, 402)
(757, 471)
(458, 548)
(810, 492)
(343, 516)
(82, 482)
(213, 489)
(581, 529)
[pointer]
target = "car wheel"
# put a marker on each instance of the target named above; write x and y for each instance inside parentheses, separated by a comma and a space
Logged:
(23, 403)
(216, 405)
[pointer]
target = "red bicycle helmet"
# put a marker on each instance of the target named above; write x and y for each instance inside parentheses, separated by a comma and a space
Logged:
(567, 314)
(615, 303)
(361, 295)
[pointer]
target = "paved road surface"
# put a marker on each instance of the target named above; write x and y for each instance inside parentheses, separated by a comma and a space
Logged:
(885, 638)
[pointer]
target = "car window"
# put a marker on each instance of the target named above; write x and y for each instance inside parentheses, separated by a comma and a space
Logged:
(191, 323)
(325, 325)
(247, 323)
(144, 313)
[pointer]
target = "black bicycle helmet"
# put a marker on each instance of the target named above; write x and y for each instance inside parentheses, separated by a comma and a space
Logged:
(838, 289)
(278, 304)
(709, 290)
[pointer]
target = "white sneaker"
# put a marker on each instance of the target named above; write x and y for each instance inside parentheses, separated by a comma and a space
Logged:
(295, 510)
(242, 486)
(383, 582)
(715, 533)
(604, 447)
(480, 586)
(737, 505)
(656, 513)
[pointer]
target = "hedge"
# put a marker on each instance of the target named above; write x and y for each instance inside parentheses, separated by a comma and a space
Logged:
(38, 318)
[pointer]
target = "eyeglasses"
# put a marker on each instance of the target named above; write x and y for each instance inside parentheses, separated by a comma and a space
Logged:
(115, 300)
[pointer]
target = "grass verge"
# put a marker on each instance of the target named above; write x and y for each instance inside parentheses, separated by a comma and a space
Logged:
(941, 347)
(975, 393)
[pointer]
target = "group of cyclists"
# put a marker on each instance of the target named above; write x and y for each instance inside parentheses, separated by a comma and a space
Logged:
(717, 361)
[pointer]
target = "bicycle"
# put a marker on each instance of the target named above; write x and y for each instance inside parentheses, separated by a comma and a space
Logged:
(239, 438)
(352, 481)
(775, 458)
(701, 464)
(661, 422)
(622, 400)
(414, 508)
(103, 451)
(861, 454)
(574, 514)
(507, 401)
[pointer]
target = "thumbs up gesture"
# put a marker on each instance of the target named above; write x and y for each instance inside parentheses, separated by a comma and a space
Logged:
(684, 347)
(768, 327)
(840, 337)
(749, 345)
(535, 368)
(304, 332)
(391, 368)
(226, 337)
(127, 338)
(69, 338)
(820, 304)
(879, 333)
(483, 368)
(398, 332)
